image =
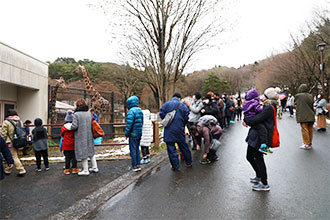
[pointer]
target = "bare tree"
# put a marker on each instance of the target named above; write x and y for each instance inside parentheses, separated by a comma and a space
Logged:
(162, 37)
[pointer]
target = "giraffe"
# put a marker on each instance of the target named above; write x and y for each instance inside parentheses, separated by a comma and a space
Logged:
(60, 83)
(98, 104)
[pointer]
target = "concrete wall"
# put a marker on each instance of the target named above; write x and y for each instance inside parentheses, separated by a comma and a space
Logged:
(24, 79)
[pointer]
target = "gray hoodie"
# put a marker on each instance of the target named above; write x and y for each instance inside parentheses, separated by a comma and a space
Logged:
(195, 110)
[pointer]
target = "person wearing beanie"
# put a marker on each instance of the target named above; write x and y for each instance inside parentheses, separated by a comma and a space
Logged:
(251, 107)
(195, 113)
(67, 137)
(175, 132)
(266, 117)
(40, 144)
(305, 115)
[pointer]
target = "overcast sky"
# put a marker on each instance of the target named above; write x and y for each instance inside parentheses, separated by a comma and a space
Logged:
(47, 29)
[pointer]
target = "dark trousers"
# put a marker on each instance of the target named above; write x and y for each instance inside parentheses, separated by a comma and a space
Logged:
(262, 132)
(134, 150)
(44, 154)
(145, 152)
(172, 153)
(70, 156)
(227, 121)
(239, 114)
(291, 110)
(257, 162)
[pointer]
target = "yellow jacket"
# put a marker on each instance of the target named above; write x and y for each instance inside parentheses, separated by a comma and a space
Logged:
(7, 130)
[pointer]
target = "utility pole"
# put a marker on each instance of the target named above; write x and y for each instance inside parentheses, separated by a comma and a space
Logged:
(321, 47)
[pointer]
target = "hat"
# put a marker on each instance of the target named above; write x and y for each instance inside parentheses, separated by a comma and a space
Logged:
(271, 93)
(208, 96)
(198, 95)
(68, 117)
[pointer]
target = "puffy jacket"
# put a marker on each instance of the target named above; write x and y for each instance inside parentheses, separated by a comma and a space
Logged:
(304, 105)
(175, 131)
(146, 138)
(134, 121)
(7, 129)
(195, 110)
(68, 137)
(39, 136)
(321, 105)
(251, 107)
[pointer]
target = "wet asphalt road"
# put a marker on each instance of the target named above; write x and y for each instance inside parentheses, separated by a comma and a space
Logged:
(299, 180)
(40, 195)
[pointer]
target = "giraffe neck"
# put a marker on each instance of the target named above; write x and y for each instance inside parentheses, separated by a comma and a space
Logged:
(53, 103)
(88, 83)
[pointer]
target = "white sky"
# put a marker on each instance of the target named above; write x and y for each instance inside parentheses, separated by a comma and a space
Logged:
(47, 29)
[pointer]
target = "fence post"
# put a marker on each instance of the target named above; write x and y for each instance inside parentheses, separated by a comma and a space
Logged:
(156, 134)
(112, 115)
(85, 94)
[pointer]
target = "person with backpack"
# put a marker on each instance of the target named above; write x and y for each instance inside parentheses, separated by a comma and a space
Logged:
(40, 144)
(133, 131)
(208, 128)
(175, 131)
(5, 152)
(12, 131)
(267, 117)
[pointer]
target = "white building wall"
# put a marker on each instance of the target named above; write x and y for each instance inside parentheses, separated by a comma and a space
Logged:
(24, 79)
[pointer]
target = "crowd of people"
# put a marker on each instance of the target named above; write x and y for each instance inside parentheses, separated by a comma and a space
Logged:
(202, 121)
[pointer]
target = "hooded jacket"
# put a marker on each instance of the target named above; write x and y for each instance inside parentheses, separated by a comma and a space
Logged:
(68, 137)
(7, 129)
(251, 107)
(195, 110)
(39, 136)
(134, 121)
(304, 105)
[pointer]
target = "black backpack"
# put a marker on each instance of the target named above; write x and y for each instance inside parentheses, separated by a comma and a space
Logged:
(19, 139)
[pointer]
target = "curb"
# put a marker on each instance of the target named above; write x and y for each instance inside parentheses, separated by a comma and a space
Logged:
(83, 207)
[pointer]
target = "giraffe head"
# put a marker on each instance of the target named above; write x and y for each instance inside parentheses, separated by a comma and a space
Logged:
(60, 83)
(83, 70)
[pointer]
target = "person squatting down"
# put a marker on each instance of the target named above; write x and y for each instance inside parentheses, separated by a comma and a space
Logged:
(207, 128)
(40, 144)
(146, 137)
(133, 131)
(251, 107)
(68, 145)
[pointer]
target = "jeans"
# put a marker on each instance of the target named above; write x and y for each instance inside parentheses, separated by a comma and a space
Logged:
(70, 156)
(172, 153)
(291, 110)
(134, 150)
(44, 154)
(257, 162)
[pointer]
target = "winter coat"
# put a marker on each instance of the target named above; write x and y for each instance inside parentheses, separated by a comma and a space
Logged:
(5, 152)
(204, 131)
(320, 106)
(290, 101)
(39, 136)
(211, 108)
(304, 105)
(251, 107)
(134, 121)
(228, 104)
(7, 129)
(195, 110)
(147, 131)
(266, 117)
(68, 137)
(175, 131)
(82, 125)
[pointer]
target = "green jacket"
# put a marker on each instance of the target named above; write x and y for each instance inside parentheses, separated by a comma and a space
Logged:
(304, 105)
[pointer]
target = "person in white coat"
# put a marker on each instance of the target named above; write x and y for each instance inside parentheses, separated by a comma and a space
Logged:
(146, 138)
(290, 104)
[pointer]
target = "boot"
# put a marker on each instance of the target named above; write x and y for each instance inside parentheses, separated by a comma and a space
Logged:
(94, 165)
(85, 171)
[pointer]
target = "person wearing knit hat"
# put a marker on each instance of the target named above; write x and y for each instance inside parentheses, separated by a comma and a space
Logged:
(68, 117)
(254, 156)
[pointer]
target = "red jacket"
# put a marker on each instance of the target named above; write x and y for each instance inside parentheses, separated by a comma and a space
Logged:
(68, 137)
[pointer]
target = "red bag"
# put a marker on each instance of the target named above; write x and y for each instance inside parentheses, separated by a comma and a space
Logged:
(96, 129)
(276, 135)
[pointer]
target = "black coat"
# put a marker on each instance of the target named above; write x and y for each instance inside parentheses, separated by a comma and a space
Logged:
(6, 153)
(212, 109)
(266, 117)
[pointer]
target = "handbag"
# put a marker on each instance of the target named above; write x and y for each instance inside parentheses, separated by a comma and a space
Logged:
(276, 135)
(214, 143)
(167, 121)
(96, 129)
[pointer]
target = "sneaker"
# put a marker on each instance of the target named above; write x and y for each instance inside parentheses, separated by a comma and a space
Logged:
(148, 160)
(47, 168)
(255, 180)
(263, 150)
(144, 161)
(83, 173)
(206, 161)
(189, 166)
(94, 170)
(67, 171)
(38, 169)
(178, 170)
(261, 187)
(305, 147)
(20, 175)
(75, 170)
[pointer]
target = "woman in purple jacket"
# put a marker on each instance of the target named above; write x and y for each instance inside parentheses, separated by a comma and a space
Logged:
(251, 107)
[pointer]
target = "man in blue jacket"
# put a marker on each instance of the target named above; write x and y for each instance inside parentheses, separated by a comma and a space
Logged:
(5, 152)
(174, 133)
(133, 131)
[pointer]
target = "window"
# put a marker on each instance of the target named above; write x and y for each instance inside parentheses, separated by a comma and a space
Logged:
(4, 106)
